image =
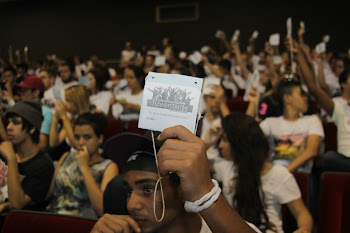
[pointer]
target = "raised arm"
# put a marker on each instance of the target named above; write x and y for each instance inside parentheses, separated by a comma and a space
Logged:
(239, 59)
(186, 156)
(56, 138)
(321, 96)
(270, 63)
(16, 196)
(217, 72)
(253, 98)
(320, 74)
(224, 40)
(94, 191)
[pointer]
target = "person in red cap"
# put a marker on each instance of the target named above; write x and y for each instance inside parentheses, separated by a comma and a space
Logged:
(32, 88)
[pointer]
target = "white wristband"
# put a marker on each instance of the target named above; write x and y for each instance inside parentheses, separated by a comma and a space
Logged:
(208, 198)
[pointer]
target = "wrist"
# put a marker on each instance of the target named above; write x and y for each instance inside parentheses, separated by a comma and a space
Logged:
(205, 201)
(64, 118)
(84, 168)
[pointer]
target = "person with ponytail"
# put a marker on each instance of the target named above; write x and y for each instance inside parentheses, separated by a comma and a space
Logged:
(255, 188)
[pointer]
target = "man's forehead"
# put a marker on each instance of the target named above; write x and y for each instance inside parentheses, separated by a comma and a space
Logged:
(137, 177)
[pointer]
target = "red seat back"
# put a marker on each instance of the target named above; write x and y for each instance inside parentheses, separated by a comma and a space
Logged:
(114, 128)
(334, 212)
(42, 222)
(237, 104)
(133, 127)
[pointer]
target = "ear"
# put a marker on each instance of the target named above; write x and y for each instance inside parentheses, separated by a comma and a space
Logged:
(100, 139)
(36, 92)
(287, 98)
(32, 131)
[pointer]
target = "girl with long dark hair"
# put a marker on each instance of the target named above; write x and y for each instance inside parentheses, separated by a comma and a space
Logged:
(254, 187)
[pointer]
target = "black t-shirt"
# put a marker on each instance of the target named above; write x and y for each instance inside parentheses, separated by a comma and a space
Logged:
(35, 176)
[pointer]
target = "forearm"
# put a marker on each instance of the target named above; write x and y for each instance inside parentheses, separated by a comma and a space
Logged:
(322, 97)
(304, 221)
(17, 197)
(241, 64)
(67, 126)
(94, 191)
(321, 78)
(301, 159)
(3, 132)
(221, 218)
(224, 109)
(251, 109)
(53, 137)
(218, 73)
(227, 45)
(4, 207)
(306, 71)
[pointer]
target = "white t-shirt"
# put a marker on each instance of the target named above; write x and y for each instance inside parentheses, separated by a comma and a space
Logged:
(341, 118)
(279, 187)
(287, 139)
(206, 229)
(213, 151)
(101, 101)
(128, 54)
(118, 110)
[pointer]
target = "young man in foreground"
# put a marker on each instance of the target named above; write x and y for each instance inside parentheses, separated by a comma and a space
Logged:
(186, 156)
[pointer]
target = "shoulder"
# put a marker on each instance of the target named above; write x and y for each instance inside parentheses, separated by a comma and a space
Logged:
(41, 163)
(271, 121)
(279, 170)
(310, 120)
(277, 177)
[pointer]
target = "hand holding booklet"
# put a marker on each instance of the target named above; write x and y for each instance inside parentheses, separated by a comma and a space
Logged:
(169, 100)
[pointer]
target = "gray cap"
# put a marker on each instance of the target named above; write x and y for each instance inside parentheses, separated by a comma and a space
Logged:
(29, 110)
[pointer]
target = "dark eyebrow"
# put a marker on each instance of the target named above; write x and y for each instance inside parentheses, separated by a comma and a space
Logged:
(138, 182)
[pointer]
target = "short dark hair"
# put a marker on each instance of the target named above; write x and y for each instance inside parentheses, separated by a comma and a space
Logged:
(50, 72)
(286, 86)
(27, 126)
(70, 65)
(22, 65)
(97, 121)
(11, 69)
(226, 64)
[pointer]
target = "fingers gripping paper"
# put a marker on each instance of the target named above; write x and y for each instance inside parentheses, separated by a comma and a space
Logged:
(169, 100)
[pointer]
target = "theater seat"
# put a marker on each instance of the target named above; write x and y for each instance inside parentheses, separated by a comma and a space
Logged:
(132, 126)
(289, 223)
(334, 212)
(330, 139)
(114, 128)
(42, 222)
(237, 104)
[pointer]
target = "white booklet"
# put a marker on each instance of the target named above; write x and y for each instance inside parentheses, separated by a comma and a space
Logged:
(169, 100)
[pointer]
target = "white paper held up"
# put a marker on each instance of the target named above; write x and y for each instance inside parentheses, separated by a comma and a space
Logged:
(169, 100)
